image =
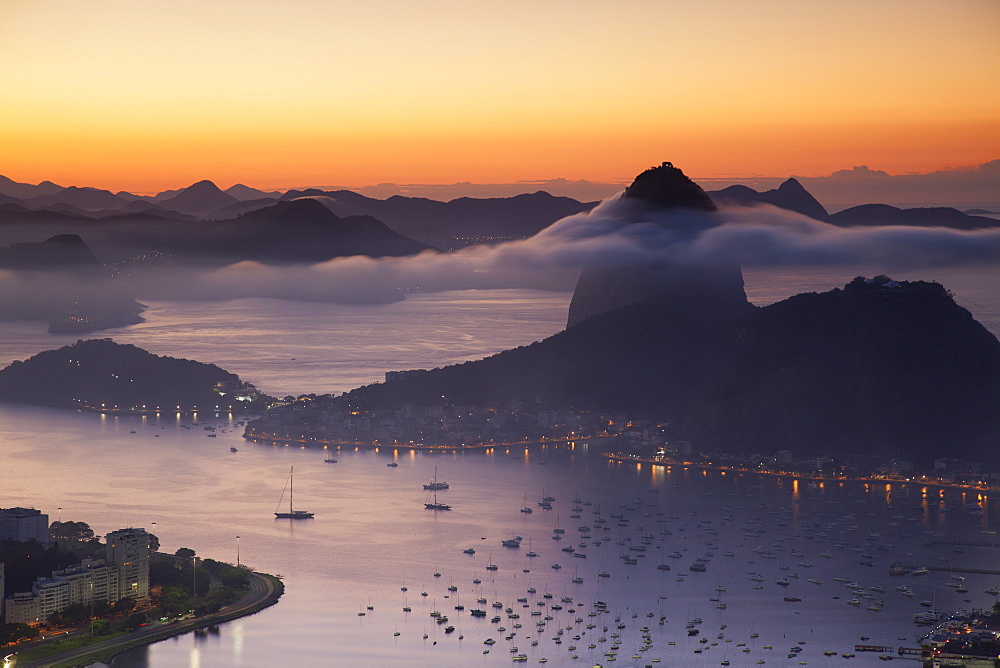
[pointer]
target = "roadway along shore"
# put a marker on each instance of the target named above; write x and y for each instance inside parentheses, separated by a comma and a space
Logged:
(265, 590)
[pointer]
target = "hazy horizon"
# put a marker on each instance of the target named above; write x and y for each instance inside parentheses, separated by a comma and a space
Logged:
(859, 184)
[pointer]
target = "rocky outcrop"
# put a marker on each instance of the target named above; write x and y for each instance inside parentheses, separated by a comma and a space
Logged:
(689, 292)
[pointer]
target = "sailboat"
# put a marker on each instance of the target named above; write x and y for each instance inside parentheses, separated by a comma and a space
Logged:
(292, 514)
(434, 484)
(435, 505)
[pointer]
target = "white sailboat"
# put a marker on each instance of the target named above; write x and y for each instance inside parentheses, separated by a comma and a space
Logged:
(292, 514)
(435, 483)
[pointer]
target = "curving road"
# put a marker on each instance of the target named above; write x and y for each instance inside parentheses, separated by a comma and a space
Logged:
(262, 589)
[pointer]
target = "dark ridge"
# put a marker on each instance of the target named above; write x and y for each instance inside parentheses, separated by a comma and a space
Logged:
(63, 252)
(895, 368)
(198, 198)
(789, 195)
(883, 214)
(469, 220)
(100, 373)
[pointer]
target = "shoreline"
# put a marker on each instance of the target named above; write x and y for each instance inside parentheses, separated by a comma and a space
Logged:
(276, 440)
(625, 459)
(265, 591)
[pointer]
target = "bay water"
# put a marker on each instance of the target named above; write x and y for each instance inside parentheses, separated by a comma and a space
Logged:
(372, 536)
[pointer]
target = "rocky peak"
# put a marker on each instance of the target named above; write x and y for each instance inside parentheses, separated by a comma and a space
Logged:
(692, 293)
(666, 186)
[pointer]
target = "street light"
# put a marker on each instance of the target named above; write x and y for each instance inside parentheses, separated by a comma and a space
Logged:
(237, 552)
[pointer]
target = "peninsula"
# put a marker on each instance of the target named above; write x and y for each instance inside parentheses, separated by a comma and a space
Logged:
(103, 376)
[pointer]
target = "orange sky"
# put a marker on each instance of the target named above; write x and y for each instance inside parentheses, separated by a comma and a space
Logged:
(145, 96)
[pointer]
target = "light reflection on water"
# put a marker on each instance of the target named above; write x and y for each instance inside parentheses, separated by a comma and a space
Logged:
(372, 536)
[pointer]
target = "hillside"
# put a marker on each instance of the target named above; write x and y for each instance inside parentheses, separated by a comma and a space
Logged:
(878, 366)
(100, 373)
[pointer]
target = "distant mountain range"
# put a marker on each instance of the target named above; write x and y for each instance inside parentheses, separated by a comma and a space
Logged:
(443, 225)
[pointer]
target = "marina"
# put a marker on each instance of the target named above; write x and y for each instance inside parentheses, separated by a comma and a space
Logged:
(815, 556)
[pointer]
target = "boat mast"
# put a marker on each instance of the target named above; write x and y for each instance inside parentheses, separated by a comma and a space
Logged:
(291, 487)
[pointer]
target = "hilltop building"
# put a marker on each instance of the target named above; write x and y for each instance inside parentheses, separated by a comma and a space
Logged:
(24, 524)
(123, 573)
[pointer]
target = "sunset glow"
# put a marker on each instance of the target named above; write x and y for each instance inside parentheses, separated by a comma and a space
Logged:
(147, 96)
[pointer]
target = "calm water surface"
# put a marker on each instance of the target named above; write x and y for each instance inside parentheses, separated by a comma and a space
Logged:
(372, 536)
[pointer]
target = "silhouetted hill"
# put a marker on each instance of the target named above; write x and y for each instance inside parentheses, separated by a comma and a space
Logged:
(81, 198)
(285, 232)
(692, 291)
(789, 195)
(70, 288)
(26, 190)
(100, 373)
(244, 193)
(877, 367)
(474, 220)
(304, 230)
(241, 207)
(65, 252)
(883, 214)
(198, 198)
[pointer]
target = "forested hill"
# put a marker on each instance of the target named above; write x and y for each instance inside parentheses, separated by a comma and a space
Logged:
(101, 374)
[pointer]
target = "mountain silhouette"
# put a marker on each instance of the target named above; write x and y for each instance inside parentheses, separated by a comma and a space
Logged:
(101, 373)
(303, 230)
(23, 191)
(883, 214)
(198, 198)
(244, 193)
(241, 207)
(789, 195)
(82, 198)
(467, 219)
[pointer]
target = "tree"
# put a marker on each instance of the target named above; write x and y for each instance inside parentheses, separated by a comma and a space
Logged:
(134, 621)
(76, 531)
(13, 632)
(184, 553)
(124, 605)
(154, 543)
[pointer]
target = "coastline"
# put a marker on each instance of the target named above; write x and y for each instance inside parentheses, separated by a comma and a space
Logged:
(624, 459)
(264, 592)
(326, 443)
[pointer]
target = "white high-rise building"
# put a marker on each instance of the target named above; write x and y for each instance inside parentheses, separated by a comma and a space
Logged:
(24, 524)
(123, 574)
(128, 549)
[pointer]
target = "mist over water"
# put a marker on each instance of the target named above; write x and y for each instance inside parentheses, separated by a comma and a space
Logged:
(290, 347)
